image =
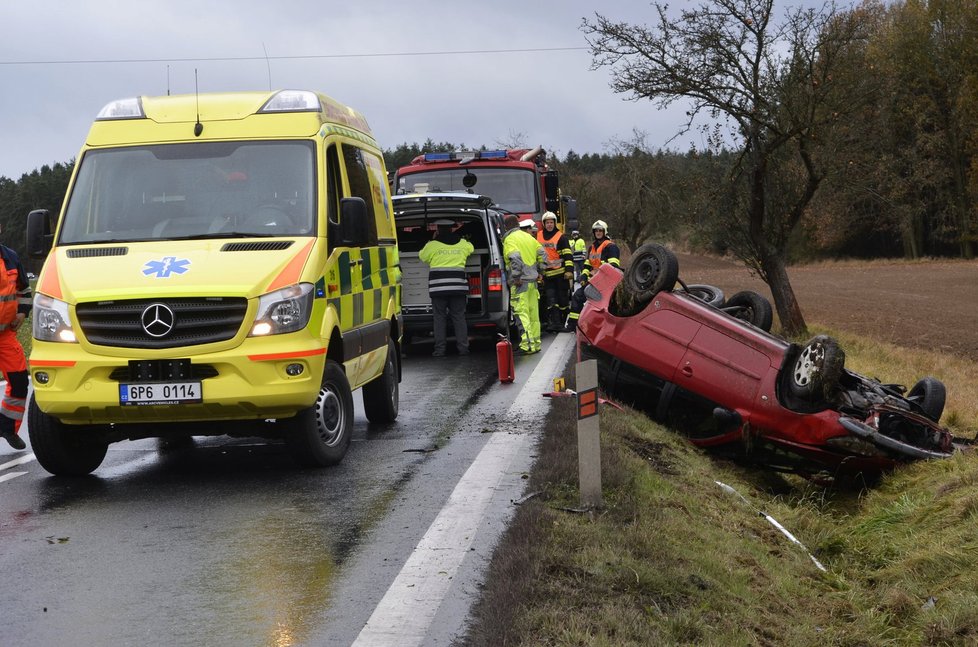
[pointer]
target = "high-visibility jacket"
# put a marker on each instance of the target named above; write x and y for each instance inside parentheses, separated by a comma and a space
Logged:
(15, 290)
(523, 255)
(578, 249)
(446, 260)
(605, 251)
(557, 252)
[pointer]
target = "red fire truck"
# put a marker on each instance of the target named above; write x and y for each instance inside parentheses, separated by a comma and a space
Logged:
(517, 180)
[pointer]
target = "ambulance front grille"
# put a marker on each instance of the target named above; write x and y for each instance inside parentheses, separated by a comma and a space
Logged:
(170, 323)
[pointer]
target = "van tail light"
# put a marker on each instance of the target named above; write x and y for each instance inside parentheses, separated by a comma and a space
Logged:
(495, 279)
(475, 286)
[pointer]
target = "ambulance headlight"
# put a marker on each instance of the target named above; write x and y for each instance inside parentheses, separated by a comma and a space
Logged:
(282, 311)
(51, 321)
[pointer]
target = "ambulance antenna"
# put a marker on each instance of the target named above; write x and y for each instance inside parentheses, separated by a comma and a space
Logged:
(267, 66)
(168, 80)
(198, 127)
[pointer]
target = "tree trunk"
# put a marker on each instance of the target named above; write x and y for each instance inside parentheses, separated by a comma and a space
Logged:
(789, 312)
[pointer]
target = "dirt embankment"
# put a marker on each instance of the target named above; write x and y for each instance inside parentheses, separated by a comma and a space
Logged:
(927, 304)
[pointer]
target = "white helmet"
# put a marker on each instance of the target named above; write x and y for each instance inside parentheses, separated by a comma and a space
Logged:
(549, 216)
(526, 223)
(600, 224)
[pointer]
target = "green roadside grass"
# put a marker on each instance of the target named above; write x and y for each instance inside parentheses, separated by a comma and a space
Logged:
(674, 559)
(24, 335)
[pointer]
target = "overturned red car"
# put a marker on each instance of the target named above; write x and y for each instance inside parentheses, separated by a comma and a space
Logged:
(710, 369)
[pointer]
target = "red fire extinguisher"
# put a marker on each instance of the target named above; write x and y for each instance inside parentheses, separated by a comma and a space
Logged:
(504, 359)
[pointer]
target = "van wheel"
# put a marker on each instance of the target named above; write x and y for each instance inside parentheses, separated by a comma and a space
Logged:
(320, 435)
(381, 396)
(61, 449)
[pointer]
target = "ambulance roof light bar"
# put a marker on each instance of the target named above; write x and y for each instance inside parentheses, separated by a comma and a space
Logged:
(292, 101)
(131, 108)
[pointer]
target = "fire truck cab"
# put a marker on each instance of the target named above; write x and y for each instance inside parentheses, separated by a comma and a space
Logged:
(518, 180)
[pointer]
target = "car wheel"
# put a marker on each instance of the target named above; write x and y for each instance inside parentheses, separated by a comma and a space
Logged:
(320, 435)
(708, 294)
(380, 396)
(652, 269)
(60, 449)
(929, 394)
(817, 369)
(752, 308)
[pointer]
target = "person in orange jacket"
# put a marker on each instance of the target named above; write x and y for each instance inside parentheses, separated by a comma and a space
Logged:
(602, 250)
(558, 272)
(15, 306)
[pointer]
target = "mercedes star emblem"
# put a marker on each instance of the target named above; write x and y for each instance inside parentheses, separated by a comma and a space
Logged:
(158, 320)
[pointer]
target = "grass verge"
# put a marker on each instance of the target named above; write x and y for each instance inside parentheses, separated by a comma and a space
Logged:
(673, 559)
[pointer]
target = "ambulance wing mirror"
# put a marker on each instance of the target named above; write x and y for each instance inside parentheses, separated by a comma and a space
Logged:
(353, 222)
(40, 232)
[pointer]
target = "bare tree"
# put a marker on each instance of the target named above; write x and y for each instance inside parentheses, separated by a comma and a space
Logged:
(513, 139)
(774, 86)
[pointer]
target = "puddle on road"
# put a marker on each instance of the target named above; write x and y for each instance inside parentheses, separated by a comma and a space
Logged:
(273, 579)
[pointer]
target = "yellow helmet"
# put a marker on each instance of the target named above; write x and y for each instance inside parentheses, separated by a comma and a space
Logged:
(600, 224)
(550, 215)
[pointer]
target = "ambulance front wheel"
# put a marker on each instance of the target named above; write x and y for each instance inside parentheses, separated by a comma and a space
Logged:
(320, 435)
(61, 449)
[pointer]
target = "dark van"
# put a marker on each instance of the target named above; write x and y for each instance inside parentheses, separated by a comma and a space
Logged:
(487, 311)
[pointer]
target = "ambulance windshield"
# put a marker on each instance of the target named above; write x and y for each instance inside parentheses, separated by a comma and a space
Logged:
(196, 190)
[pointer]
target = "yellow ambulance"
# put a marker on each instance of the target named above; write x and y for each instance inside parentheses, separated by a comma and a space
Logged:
(222, 264)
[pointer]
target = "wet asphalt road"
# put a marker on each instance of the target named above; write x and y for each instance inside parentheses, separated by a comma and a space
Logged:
(230, 543)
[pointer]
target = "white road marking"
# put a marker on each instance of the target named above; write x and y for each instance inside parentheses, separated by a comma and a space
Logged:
(26, 458)
(406, 611)
(11, 475)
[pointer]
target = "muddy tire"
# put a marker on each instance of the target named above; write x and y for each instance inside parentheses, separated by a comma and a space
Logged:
(62, 449)
(751, 307)
(816, 371)
(929, 394)
(320, 435)
(708, 294)
(381, 396)
(652, 269)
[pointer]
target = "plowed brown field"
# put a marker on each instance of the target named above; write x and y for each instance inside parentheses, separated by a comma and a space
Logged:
(926, 304)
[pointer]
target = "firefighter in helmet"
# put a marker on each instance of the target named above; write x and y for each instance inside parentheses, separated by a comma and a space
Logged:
(558, 271)
(602, 250)
(578, 253)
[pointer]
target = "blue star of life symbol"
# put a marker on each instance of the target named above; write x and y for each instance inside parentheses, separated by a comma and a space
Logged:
(166, 266)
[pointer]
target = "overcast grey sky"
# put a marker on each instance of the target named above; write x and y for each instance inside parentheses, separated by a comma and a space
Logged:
(60, 62)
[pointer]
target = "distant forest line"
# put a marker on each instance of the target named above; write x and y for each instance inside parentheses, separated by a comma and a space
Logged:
(900, 172)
